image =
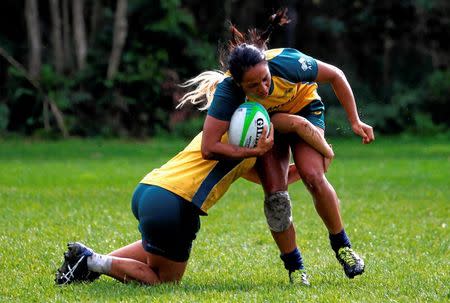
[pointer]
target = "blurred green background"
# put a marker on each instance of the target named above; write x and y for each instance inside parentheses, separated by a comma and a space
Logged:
(111, 68)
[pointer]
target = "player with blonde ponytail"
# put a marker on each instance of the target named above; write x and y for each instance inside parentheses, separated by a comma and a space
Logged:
(205, 85)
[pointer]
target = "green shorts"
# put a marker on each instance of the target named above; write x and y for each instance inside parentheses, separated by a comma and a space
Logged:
(314, 113)
(167, 222)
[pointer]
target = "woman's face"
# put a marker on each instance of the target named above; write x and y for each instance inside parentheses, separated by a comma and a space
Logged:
(256, 81)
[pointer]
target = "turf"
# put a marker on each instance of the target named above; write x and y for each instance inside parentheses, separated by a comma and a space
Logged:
(395, 200)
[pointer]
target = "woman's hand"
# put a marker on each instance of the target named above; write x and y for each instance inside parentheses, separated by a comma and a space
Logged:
(265, 142)
(214, 149)
(363, 130)
(333, 75)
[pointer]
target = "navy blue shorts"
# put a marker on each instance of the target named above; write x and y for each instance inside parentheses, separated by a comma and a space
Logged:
(167, 222)
(314, 113)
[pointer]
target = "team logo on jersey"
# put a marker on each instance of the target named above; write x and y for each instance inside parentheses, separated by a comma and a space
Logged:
(305, 64)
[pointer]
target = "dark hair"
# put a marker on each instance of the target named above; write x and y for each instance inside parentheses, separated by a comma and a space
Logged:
(242, 58)
(246, 51)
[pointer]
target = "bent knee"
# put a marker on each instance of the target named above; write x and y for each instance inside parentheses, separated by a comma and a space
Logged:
(314, 179)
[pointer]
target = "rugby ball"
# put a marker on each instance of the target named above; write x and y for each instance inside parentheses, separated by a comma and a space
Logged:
(247, 124)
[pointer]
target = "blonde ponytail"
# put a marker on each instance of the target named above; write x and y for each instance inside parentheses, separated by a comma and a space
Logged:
(205, 86)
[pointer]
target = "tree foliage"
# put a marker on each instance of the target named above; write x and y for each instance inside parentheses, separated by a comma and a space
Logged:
(394, 53)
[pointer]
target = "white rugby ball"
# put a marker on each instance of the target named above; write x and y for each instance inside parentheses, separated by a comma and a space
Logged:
(247, 124)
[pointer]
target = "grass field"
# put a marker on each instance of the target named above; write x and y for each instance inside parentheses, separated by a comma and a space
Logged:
(395, 199)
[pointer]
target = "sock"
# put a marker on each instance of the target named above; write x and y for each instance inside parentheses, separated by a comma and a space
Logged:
(99, 263)
(293, 260)
(339, 240)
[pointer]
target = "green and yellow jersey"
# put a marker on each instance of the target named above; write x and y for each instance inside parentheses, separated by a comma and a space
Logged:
(202, 182)
(292, 86)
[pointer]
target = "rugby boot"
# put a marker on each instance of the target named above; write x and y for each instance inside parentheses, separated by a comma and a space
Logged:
(299, 276)
(74, 267)
(353, 265)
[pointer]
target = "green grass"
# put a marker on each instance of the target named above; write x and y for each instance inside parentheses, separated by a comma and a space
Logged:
(395, 200)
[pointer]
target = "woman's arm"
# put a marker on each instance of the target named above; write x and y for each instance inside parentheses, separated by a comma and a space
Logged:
(214, 149)
(288, 123)
(333, 75)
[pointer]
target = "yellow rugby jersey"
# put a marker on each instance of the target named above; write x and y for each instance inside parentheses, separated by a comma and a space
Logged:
(292, 87)
(202, 182)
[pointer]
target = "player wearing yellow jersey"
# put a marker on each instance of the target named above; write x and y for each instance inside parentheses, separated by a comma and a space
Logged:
(283, 80)
(167, 203)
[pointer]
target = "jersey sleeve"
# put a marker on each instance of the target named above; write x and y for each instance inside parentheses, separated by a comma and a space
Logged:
(294, 66)
(227, 97)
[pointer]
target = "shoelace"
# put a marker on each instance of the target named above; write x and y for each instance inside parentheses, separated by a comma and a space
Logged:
(347, 255)
(68, 276)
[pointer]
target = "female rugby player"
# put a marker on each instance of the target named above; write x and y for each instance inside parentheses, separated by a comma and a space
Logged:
(282, 80)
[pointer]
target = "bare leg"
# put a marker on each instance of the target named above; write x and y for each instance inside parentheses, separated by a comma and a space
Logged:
(125, 270)
(285, 240)
(272, 170)
(133, 263)
(157, 270)
(132, 251)
(288, 123)
(309, 163)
